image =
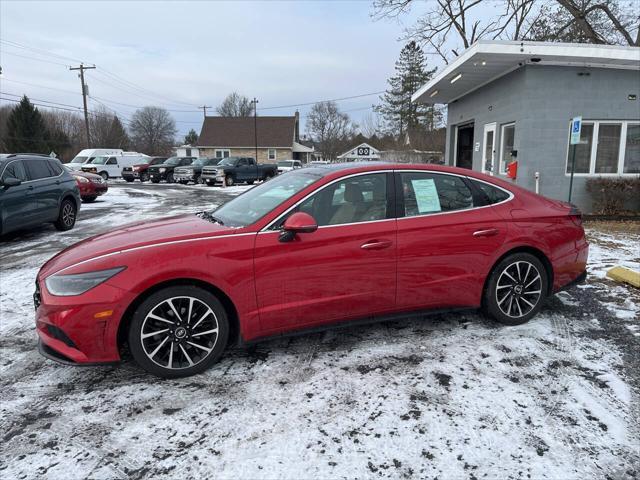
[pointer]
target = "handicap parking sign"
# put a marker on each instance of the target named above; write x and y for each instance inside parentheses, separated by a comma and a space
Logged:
(576, 126)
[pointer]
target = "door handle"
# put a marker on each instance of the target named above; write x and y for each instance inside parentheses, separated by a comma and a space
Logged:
(57, 182)
(489, 232)
(376, 244)
(30, 187)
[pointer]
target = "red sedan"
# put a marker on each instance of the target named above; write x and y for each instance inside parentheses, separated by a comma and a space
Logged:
(314, 247)
(91, 186)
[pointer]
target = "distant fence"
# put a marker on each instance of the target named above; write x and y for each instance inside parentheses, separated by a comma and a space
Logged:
(412, 156)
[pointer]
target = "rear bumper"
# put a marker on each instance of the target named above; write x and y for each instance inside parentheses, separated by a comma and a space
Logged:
(577, 281)
(92, 189)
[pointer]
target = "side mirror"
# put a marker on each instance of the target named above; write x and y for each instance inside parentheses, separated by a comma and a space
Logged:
(11, 182)
(299, 222)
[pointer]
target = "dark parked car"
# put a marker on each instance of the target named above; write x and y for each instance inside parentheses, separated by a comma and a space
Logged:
(233, 170)
(191, 173)
(35, 190)
(91, 186)
(140, 170)
(164, 171)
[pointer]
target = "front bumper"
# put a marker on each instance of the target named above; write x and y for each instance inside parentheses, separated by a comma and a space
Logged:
(158, 175)
(184, 178)
(212, 177)
(71, 332)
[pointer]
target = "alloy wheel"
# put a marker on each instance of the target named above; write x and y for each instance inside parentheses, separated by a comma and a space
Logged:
(179, 332)
(519, 289)
(68, 214)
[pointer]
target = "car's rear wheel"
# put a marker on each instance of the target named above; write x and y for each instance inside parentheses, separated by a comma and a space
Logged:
(128, 179)
(198, 180)
(178, 331)
(516, 289)
(155, 180)
(169, 178)
(229, 181)
(250, 182)
(67, 215)
(104, 175)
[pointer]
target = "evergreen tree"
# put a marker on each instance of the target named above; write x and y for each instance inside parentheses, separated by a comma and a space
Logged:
(117, 137)
(401, 115)
(26, 130)
(191, 138)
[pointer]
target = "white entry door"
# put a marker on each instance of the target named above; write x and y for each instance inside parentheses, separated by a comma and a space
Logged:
(489, 149)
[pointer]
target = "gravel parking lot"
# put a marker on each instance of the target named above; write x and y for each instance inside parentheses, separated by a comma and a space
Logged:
(446, 396)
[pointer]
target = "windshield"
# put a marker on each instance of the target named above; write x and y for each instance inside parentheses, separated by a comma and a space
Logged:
(79, 160)
(230, 161)
(257, 202)
(172, 161)
(100, 160)
(286, 163)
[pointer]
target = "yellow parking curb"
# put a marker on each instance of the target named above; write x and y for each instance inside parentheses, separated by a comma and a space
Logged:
(626, 275)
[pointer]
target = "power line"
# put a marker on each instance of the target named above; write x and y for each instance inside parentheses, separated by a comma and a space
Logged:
(40, 100)
(320, 101)
(40, 51)
(34, 58)
(40, 86)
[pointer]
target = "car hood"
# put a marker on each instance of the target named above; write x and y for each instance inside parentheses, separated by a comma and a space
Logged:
(134, 235)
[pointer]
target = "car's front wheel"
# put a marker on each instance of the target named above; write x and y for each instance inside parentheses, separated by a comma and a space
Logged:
(178, 331)
(144, 176)
(67, 215)
(516, 289)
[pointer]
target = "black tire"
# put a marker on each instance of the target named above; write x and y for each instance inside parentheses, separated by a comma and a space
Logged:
(198, 180)
(524, 279)
(144, 176)
(178, 334)
(155, 180)
(89, 199)
(229, 181)
(104, 175)
(129, 179)
(250, 182)
(170, 178)
(268, 177)
(67, 215)
(210, 183)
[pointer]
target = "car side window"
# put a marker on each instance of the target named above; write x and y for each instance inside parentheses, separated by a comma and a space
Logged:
(425, 193)
(55, 168)
(242, 162)
(112, 161)
(492, 194)
(353, 200)
(15, 169)
(38, 169)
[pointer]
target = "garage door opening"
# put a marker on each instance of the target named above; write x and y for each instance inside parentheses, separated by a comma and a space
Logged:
(464, 146)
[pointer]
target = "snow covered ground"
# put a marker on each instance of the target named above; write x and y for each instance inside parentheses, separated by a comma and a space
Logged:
(447, 396)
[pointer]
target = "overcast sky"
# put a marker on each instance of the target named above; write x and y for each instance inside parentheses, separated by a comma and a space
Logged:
(185, 54)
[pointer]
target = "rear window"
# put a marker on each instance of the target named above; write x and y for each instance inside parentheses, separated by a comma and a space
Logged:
(492, 194)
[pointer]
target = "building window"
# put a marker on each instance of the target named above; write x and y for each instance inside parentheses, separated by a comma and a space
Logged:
(607, 148)
(188, 152)
(272, 154)
(583, 150)
(507, 138)
(222, 153)
(632, 149)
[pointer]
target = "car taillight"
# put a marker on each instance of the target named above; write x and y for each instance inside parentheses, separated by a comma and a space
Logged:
(576, 216)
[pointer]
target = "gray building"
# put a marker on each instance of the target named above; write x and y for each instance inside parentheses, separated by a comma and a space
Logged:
(513, 101)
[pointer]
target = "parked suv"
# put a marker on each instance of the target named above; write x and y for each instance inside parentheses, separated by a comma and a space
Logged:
(191, 173)
(35, 190)
(164, 171)
(232, 170)
(141, 170)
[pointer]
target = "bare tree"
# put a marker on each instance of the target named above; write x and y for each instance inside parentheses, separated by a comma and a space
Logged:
(329, 128)
(371, 125)
(235, 105)
(450, 26)
(152, 130)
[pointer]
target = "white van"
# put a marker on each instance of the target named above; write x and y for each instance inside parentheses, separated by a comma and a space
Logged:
(110, 166)
(87, 156)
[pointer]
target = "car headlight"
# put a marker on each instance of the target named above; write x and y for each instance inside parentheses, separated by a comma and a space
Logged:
(80, 179)
(162, 170)
(76, 284)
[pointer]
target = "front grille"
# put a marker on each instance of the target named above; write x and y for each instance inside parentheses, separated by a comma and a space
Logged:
(37, 298)
(58, 334)
(127, 169)
(210, 170)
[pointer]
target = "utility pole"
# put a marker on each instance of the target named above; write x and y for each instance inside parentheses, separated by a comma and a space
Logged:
(82, 68)
(255, 124)
(204, 109)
